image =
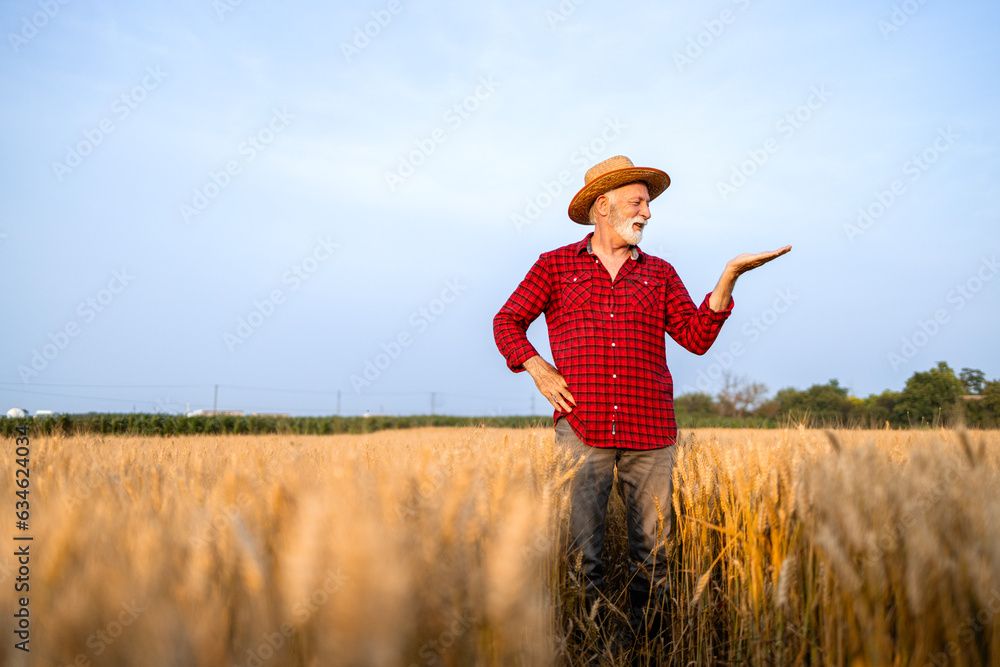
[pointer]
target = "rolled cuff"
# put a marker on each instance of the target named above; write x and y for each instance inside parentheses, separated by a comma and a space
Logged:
(519, 355)
(713, 315)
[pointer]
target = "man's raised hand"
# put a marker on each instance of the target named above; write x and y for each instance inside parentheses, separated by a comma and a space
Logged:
(721, 295)
(747, 261)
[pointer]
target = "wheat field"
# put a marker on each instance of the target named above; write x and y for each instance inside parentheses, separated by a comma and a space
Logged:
(447, 547)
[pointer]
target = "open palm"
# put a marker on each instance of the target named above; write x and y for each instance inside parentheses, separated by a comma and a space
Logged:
(747, 261)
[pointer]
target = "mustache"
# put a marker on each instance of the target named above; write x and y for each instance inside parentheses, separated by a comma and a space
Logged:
(637, 220)
(624, 226)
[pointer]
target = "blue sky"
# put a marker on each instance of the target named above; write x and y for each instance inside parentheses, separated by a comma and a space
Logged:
(262, 196)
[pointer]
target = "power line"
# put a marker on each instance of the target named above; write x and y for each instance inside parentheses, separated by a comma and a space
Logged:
(102, 398)
(324, 392)
(102, 386)
(277, 405)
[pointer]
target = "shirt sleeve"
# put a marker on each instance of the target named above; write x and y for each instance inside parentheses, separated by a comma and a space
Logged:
(695, 328)
(510, 326)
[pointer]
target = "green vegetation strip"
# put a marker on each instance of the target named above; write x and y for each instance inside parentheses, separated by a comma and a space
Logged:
(162, 424)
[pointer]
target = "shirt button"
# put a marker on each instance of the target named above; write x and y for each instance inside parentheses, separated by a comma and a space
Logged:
(616, 407)
(615, 376)
(612, 314)
(612, 344)
(574, 279)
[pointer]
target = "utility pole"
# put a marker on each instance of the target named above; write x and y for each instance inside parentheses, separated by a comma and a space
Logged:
(215, 402)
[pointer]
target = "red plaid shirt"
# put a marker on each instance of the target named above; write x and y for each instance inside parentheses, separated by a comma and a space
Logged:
(607, 340)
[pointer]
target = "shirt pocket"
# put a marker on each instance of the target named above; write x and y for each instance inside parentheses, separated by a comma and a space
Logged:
(576, 292)
(646, 303)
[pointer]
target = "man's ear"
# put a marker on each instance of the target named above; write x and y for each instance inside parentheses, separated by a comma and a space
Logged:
(603, 204)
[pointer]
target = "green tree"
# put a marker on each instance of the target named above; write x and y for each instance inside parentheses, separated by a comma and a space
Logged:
(696, 404)
(991, 401)
(881, 408)
(821, 403)
(973, 380)
(982, 410)
(931, 396)
(769, 409)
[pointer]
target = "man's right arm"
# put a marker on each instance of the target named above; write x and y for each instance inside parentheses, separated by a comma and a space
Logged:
(510, 327)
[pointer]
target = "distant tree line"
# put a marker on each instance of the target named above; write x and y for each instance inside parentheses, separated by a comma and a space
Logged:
(931, 398)
(167, 424)
(934, 397)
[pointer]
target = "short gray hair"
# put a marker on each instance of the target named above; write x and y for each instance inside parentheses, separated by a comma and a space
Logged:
(592, 214)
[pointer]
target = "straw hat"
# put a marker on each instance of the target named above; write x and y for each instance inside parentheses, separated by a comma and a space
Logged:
(608, 175)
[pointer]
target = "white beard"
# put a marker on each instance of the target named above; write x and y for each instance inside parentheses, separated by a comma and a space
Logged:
(623, 226)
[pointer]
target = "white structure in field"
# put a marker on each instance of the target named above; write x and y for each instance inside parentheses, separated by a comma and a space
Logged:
(14, 413)
(44, 413)
(216, 413)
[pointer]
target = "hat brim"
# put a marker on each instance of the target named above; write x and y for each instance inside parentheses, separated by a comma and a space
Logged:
(579, 209)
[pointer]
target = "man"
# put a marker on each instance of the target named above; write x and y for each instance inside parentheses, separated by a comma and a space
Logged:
(607, 305)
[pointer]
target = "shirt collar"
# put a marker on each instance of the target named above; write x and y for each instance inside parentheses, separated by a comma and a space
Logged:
(590, 250)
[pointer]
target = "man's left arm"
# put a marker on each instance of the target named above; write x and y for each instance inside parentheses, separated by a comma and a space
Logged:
(696, 328)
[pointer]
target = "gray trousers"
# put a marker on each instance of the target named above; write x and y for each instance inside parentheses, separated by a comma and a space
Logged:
(645, 477)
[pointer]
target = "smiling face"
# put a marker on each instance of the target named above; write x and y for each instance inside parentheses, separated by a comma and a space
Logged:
(629, 211)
